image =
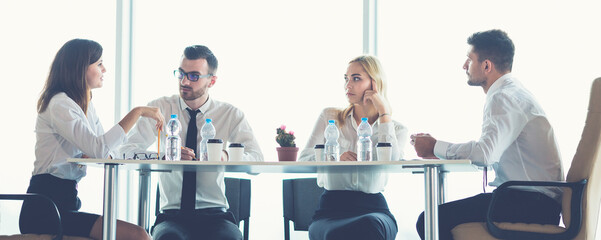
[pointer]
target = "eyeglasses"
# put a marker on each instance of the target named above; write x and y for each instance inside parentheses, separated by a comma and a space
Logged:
(193, 77)
(146, 156)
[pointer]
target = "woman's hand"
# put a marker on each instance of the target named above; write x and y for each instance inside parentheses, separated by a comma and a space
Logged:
(348, 156)
(132, 117)
(380, 103)
(154, 113)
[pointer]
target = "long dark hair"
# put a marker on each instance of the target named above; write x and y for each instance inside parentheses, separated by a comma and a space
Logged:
(68, 73)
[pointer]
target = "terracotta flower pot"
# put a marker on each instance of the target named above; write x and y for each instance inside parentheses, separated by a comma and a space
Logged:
(287, 153)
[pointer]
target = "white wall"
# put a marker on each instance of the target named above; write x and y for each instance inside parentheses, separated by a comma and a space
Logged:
(281, 63)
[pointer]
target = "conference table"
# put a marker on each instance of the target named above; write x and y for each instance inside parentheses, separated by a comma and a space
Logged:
(433, 170)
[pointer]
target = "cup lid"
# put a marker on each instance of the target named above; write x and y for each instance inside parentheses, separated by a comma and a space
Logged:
(236, 145)
(384, 144)
(214, 140)
(320, 146)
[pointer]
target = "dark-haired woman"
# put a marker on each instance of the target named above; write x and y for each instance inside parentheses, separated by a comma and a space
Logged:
(67, 126)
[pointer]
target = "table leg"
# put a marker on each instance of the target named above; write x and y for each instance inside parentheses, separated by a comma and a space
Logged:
(431, 178)
(442, 179)
(143, 200)
(109, 219)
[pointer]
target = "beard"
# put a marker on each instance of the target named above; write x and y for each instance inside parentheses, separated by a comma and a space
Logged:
(475, 82)
(191, 95)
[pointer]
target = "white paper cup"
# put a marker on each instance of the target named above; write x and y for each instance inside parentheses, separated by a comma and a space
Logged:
(236, 151)
(320, 154)
(384, 151)
(214, 147)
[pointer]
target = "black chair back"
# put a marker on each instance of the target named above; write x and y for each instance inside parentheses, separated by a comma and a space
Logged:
(301, 200)
(237, 192)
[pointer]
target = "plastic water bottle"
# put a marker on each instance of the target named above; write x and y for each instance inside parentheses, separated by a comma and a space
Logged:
(331, 147)
(173, 143)
(206, 132)
(364, 143)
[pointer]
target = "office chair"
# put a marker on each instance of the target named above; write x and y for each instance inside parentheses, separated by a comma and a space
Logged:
(581, 196)
(237, 192)
(301, 200)
(59, 230)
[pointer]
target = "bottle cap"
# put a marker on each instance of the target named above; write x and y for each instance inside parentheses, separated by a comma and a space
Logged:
(384, 144)
(236, 145)
(214, 140)
(363, 119)
(173, 115)
(208, 120)
(331, 121)
(317, 146)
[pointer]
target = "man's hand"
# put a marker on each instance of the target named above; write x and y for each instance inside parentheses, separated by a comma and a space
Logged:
(424, 145)
(188, 154)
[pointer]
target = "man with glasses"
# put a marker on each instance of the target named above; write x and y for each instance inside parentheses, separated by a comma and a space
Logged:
(193, 204)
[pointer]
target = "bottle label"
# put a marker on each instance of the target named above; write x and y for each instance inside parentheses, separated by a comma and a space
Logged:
(364, 149)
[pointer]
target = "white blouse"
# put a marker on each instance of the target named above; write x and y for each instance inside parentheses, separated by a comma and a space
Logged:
(367, 181)
(64, 131)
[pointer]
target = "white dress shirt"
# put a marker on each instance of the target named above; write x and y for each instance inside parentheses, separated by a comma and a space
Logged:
(517, 139)
(64, 131)
(230, 125)
(367, 181)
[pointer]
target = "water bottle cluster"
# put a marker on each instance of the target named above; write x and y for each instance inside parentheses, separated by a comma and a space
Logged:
(331, 134)
(173, 142)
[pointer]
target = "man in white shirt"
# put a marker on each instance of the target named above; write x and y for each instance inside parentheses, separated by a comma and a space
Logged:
(517, 141)
(202, 214)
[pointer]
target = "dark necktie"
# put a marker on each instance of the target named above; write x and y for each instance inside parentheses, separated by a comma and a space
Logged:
(188, 202)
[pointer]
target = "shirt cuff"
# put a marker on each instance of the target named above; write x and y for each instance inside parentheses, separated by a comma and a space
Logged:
(386, 132)
(440, 149)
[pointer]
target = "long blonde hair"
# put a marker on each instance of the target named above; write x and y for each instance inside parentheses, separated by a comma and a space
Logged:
(373, 68)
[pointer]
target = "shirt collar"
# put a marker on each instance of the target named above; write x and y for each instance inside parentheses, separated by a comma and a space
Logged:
(203, 109)
(351, 119)
(497, 84)
(354, 123)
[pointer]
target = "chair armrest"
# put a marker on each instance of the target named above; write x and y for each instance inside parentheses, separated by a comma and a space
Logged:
(509, 184)
(576, 211)
(31, 196)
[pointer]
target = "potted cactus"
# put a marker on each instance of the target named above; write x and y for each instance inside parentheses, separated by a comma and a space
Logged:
(287, 151)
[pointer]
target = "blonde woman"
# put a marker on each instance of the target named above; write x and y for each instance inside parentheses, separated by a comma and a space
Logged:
(353, 207)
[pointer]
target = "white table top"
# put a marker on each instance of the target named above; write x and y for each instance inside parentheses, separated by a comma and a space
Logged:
(279, 167)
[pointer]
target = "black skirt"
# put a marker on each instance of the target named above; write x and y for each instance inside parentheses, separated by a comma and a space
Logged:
(344, 204)
(39, 217)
